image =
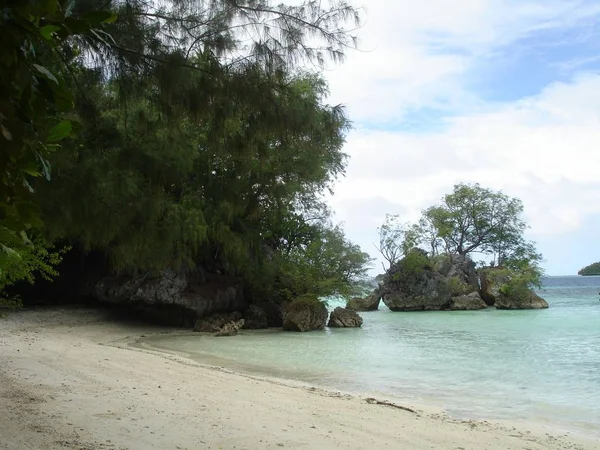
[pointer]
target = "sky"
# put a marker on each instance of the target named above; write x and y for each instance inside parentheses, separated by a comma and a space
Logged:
(500, 92)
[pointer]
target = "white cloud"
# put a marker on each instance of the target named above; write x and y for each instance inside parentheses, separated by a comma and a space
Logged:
(542, 149)
(415, 54)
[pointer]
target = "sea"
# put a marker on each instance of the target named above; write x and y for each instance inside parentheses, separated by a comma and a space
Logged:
(534, 366)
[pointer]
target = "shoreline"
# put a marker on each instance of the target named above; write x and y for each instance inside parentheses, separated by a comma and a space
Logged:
(73, 378)
(294, 379)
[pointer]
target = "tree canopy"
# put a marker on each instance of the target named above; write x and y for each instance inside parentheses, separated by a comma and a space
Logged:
(592, 269)
(471, 220)
(195, 138)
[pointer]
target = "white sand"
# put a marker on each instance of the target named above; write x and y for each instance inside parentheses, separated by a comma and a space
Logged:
(69, 380)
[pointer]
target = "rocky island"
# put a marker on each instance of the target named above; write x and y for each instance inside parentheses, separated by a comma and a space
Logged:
(447, 283)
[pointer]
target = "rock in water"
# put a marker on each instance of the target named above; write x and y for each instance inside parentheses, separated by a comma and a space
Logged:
(467, 302)
(522, 300)
(414, 284)
(216, 322)
(230, 329)
(344, 318)
(370, 303)
(492, 279)
(255, 318)
(304, 315)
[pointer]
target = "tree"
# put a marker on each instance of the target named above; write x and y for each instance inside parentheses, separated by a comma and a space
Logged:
(33, 118)
(328, 265)
(199, 147)
(473, 219)
(392, 239)
(591, 270)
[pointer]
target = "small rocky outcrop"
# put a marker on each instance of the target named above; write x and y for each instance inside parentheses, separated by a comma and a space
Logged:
(491, 280)
(230, 328)
(522, 299)
(470, 301)
(255, 318)
(416, 283)
(305, 315)
(216, 322)
(369, 303)
(344, 318)
(463, 268)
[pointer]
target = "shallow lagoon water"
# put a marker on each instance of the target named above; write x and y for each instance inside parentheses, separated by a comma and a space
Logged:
(541, 366)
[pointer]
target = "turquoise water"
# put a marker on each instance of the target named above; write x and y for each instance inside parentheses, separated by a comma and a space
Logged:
(541, 366)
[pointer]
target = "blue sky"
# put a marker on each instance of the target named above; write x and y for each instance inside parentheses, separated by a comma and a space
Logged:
(504, 93)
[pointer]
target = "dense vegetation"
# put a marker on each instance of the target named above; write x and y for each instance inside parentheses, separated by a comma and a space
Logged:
(177, 134)
(592, 269)
(470, 220)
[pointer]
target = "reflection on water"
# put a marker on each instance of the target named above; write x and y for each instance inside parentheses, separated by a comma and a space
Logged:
(529, 365)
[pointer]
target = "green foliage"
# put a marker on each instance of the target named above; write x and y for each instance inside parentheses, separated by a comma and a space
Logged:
(470, 220)
(34, 101)
(328, 265)
(39, 258)
(414, 264)
(476, 219)
(592, 269)
(177, 136)
(519, 274)
(394, 240)
(306, 301)
(457, 287)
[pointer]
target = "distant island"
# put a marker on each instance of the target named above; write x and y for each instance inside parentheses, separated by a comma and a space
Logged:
(592, 269)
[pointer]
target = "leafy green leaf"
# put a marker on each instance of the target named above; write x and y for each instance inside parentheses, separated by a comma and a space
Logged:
(46, 72)
(60, 131)
(98, 17)
(48, 30)
(7, 134)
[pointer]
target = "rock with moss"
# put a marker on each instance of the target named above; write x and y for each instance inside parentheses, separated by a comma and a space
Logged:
(520, 299)
(215, 322)
(369, 303)
(305, 314)
(414, 284)
(460, 268)
(344, 318)
(472, 301)
(230, 328)
(491, 281)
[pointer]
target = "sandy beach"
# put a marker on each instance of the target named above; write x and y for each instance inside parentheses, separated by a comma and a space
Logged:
(69, 379)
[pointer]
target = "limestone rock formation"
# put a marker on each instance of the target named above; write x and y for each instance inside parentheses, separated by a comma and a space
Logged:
(185, 296)
(230, 328)
(304, 315)
(215, 322)
(467, 302)
(415, 283)
(521, 300)
(344, 318)
(491, 280)
(369, 303)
